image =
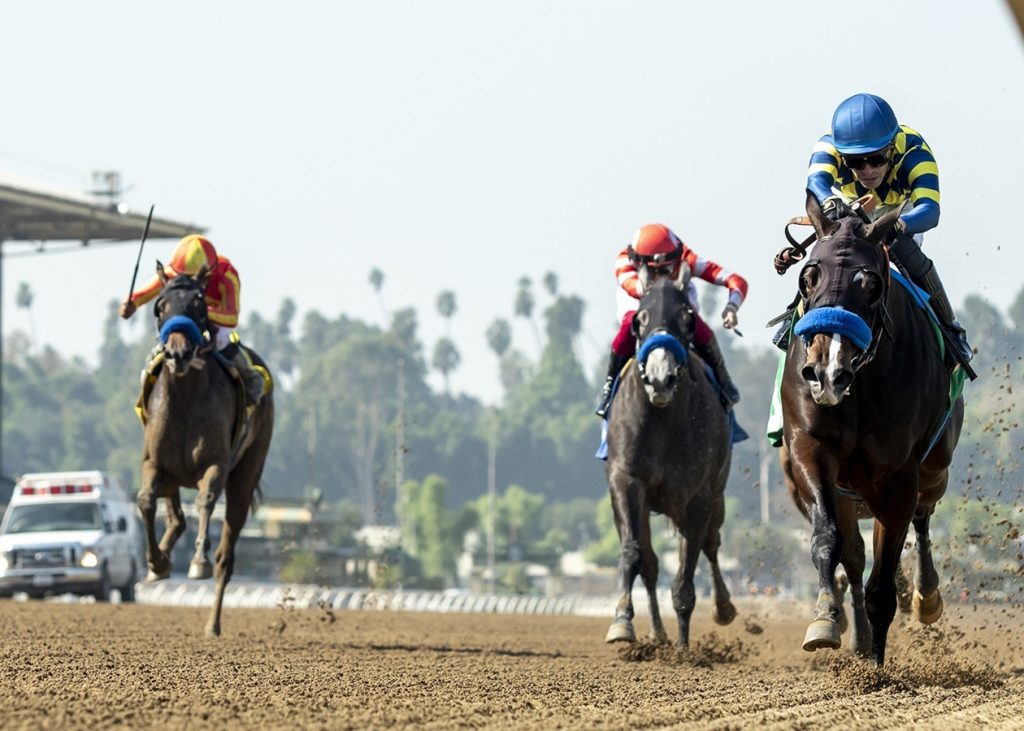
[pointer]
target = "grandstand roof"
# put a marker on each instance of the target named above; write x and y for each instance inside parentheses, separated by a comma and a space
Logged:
(39, 213)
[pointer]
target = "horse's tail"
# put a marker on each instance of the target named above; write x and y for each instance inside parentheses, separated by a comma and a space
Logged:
(257, 498)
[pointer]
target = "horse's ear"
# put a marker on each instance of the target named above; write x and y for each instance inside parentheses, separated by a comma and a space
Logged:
(202, 276)
(823, 226)
(878, 231)
(160, 273)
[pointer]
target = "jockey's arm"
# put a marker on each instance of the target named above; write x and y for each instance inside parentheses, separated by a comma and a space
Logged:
(714, 273)
(141, 296)
(923, 181)
(823, 169)
(626, 274)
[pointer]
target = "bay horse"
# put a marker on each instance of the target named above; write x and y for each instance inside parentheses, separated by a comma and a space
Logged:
(669, 450)
(191, 439)
(868, 428)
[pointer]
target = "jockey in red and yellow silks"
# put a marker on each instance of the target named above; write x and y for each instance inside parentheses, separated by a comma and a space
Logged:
(662, 253)
(223, 298)
(223, 290)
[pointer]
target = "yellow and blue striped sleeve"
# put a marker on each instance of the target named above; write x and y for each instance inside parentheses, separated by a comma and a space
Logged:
(922, 184)
(823, 168)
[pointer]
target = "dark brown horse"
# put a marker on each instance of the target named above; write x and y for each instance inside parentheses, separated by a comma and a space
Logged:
(191, 439)
(669, 450)
(867, 427)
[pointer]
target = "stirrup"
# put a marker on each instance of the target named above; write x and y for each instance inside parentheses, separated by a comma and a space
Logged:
(606, 399)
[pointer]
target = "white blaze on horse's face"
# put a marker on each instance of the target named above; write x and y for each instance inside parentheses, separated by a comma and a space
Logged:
(828, 369)
(179, 354)
(660, 376)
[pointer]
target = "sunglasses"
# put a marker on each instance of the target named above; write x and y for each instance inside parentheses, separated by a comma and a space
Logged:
(875, 159)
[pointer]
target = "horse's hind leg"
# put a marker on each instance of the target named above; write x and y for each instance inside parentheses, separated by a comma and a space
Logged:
(238, 500)
(210, 486)
(691, 538)
(724, 612)
(927, 603)
(158, 561)
(649, 573)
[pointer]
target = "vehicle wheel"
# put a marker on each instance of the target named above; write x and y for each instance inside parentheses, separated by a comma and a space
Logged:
(128, 590)
(102, 594)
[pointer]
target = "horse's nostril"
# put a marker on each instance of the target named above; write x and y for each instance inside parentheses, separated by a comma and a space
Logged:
(843, 380)
(809, 373)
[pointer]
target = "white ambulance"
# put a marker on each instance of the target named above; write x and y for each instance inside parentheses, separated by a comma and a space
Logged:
(70, 532)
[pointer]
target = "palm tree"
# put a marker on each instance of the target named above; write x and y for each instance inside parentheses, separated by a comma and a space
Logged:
(524, 305)
(377, 282)
(446, 308)
(24, 299)
(499, 336)
(446, 359)
(551, 283)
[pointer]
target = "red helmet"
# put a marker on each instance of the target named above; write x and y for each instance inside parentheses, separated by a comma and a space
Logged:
(656, 246)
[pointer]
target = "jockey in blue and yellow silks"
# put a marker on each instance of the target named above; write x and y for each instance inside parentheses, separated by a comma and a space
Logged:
(869, 152)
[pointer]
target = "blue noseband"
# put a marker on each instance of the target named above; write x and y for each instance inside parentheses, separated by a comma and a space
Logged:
(834, 320)
(662, 340)
(182, 324)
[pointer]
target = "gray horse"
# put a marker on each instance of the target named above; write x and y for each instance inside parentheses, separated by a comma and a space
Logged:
(669, 450)
(192, 430)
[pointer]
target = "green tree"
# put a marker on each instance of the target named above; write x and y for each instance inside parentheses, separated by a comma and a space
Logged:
(377, 282)
(524, 304)
(550, 281)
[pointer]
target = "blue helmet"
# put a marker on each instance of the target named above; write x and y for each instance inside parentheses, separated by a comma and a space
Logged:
(863, 123)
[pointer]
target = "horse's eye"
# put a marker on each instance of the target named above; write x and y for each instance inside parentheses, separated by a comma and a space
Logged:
(809, 279)
(871, 283)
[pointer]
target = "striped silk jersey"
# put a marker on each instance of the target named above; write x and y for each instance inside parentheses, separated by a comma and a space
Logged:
(223, 292)
(913, 174)
(709, 271)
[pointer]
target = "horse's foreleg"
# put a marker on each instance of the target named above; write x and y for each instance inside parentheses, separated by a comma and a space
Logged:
(157, 560)
(927, 601)
(724, 611)
(694, 526)
(649, 572)
(174, 518)
(210, 486)
(880, 594)
(627, 507)
(853, 565)
(815, 470)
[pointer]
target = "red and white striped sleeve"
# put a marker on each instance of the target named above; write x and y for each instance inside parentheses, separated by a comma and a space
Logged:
(709, 271)
(626, 275)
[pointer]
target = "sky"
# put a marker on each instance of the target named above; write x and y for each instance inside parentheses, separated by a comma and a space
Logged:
(462, 145)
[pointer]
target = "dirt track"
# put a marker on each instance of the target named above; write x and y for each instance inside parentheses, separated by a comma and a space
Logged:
(98, 665)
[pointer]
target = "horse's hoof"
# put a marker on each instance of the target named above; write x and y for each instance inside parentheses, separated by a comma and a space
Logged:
(621, 632)
(822, 634)
(152, 575)
(724, 614)
(659, 638)
(200, 570)
(213, 631)
(928, 609)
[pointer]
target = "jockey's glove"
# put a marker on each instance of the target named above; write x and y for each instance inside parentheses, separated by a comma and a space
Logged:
(835, 208)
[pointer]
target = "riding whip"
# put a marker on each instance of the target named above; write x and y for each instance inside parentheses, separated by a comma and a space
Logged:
(145, 233)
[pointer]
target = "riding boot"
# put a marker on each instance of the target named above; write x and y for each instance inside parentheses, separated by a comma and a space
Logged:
(940, 303)
(250, 378)
(615, 365)
(712, 355)
(921, 269)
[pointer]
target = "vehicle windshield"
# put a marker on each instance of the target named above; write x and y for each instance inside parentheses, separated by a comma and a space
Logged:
(53, 516)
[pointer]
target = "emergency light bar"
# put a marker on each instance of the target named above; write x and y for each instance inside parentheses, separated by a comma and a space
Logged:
(43, 490)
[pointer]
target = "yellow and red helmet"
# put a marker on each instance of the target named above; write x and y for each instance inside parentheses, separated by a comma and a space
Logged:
(191, 254)
(655, 246)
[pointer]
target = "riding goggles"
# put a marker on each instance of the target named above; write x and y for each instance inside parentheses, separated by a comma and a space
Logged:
(874, 159)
